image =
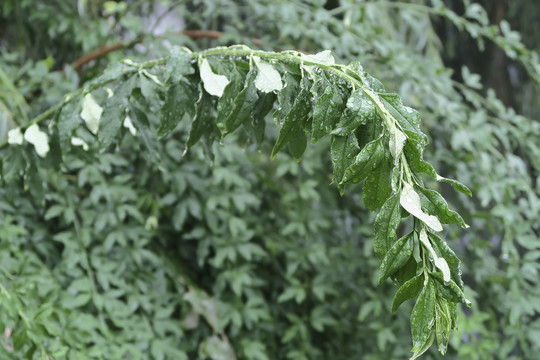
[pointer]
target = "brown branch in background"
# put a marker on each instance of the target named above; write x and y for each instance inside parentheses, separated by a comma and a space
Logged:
(105, 49)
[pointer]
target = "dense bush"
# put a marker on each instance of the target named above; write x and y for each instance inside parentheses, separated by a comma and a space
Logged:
(122, 254)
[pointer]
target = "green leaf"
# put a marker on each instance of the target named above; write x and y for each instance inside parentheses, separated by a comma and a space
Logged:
(243, 104)
(203, 121)
(443, 323)
(425, 347)
(68, 120)
(327, 112)
(359, 110)
(407, 117)
(226, 102)
(365, 162)
(214, 84)
(256, 127)
(145, 132)
(434, 204)
(423, 317)
(378, 185)
(386, 224)
(114, 112)
(396, 257)
(443, 250)
(449, 290)
(286, 97)
(343, 151)
(178, 65)
(410, 200)
(293, 120)
(180, 99)
(456, 184)
(414, 151)
(298, 144)
(408, 290)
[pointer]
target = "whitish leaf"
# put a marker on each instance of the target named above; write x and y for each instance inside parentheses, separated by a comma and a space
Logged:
(386, 224)
(75, 141)
(439, 262)
(129, 125)
(15, 136)
(396, 257)
(91, 113)
(38, 138)
(408, 290)
(410, 200)
(423, 317)
(268, 78)
(214, 84)
(322, 58)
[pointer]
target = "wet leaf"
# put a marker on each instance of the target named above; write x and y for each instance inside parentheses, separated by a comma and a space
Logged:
(397, 256)
(378, 185)
(180, 98)
(423, 317)
(268, 78)
(343, 152)
(408, 290)
(214, 84)
(386, 224)
(410, 200)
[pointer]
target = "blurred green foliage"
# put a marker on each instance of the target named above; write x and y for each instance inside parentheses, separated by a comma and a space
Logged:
(242, 257)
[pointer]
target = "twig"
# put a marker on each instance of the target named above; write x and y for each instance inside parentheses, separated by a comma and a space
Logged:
(105, 49)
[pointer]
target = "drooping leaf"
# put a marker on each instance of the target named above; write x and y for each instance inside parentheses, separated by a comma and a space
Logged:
(286, 97)
(443, 323)
(243, 106)
(407, 117)
(378, 185)
(359, 110)
(434, 204)
(443, 250)
(343, 152)
(456, 184)
(327, 112)
(423, 317)
(364, 163)
(449, 290)
(396, 257)
(214, 84)
(414, 151)
(410, 200)
(114, 112)
(298, 143)
(256, 126)
(386, 224)
(293, 120)
(180, 98)
(226, 102)
(67, 121)
(438, 261)
(145, 132)
(408, 290)
(203, 121)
